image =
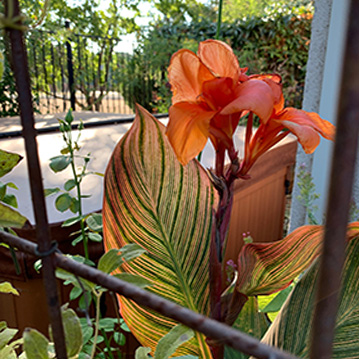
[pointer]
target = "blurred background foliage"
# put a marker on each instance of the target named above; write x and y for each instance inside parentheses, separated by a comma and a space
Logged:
(267, 36)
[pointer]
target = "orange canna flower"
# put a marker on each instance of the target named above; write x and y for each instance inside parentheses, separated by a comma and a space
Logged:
(306, 126)
(210, 92)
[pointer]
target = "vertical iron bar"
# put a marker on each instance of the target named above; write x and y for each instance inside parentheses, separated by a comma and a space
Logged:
(342, 174)
(36, 71)
(22, 79)
(64, 100)
(53, 75)
(45, 71)
(119, 91)
(70, 70)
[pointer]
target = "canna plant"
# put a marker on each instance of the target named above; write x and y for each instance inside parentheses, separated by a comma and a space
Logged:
(158, 196)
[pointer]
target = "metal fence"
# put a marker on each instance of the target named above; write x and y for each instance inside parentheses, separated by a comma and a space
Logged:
(86, 73)
(335, 235)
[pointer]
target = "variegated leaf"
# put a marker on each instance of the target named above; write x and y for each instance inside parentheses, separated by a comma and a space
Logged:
(265, 268)
(290, 330)
(152, 200)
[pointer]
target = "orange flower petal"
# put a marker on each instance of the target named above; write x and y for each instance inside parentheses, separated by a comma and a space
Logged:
(306, 126)
(252, 95)
(186, 74)
(220, 59)
(188, 129)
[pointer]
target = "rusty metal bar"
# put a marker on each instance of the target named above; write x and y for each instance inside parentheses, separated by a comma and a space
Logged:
(22, 79)
(340, 191)
(209, 327)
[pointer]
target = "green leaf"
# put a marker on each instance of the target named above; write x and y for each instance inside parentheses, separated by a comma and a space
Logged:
(265, 268)
(75, 205)
(152, 200)
(71, 278)
(249, 321)
(12, 185)
(11, 200)
(110, 261)
(75, 293)
(59, 163)
(69, 118)
(296, 315)
(70, 184)
(6, 334)
(63, 202)
(71, 221)
(142, 353)
(95, 237)
(36, 344)
(131, 251)
(6, 287)
(94, 222)
(8, 161)
(277, 301)
(50, 191)
(172, 340)
(11, 218)
(134, 279)
(73, 332)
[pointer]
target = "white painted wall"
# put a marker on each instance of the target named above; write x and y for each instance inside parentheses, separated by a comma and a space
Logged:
(326, 77)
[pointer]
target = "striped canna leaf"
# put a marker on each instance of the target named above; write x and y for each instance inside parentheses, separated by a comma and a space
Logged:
(152, 200)
(290, 330)
(265, 268)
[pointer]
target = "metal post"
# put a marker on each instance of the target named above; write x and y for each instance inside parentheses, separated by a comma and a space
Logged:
(70, 70)
(22, 79)
(342, 174)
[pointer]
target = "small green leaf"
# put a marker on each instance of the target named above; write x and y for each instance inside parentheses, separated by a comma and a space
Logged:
(8, 161)
(132, 251)
(107, 324)
(69, 222)
(6, 287)
(59, 163)
(11, 200)
(94, 222)
(71, 278)
(95, 237)
(110, 261)
(142, 353)
(70, 184)
(11, 218)
(134, 279)
(35, 344)
(6, 334)
(119, 338)
(277, 301)
(63, 202)
(50, 191)
(75, 293)
(168, 344)
(75, 205)
(77, 240)
(73, 332)
(12, 185)
(69, 118)
(125, 327)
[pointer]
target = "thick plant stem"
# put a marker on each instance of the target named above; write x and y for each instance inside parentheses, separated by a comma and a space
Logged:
(78, 189)
(98, 297)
